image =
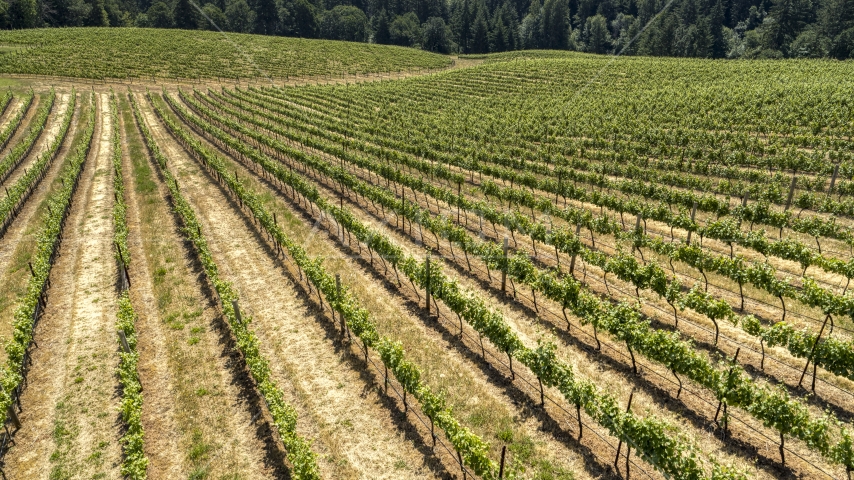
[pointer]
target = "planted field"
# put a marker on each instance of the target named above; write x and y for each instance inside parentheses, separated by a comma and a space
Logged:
(151, 54)
(542, 266)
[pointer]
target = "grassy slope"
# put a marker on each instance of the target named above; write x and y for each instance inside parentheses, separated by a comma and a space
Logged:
(135, 52)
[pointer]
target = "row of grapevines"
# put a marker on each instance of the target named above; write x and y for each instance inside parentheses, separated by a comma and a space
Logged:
(15, 122)
(759, 274)
(832, 354)
(26, 144)
(47, 247)
(475, 161)
(472, 448)
(5, 101)
(726, 230)
(21, 190)
(619, 162)
(120, 237)
(134, 463)
(653, 438)
(284, 415)
(622, 321)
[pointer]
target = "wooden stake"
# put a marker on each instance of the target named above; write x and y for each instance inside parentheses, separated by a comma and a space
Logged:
(338, 292)
(693, 213)
(620, 443)
(504, 270)
(11, 413)
(124, 340)
(833, 178)
(791, 192)
(812, 352)
(236, 311)
(427, 283)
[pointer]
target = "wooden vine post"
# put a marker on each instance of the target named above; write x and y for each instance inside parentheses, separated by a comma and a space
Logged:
(693, 214)
(791, 192)
(427, 283)
(833, 178)
(812, 353)
(124, 341)
(572, 261)
(338, 294)
(237, 311)
(620, 443)
(504, 270)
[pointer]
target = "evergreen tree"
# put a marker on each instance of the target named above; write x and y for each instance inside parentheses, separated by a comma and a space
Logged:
(160, 16)
(436, 36)
(305, 22)
(716, 26)
(556, 24)
(835, 16)
(461, 24)
(97, 15)
(530, 32)
(213, 18)
(266, 17)
(785, 21)
(241, 18)
(480, 32)
(23, 14)
(184, 15)
(381, 31)
(596, 36)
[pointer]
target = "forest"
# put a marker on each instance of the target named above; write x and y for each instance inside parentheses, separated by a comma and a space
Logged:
(676, 28)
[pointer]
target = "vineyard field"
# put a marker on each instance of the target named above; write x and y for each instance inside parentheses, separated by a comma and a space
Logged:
(144, 54)
(528, 265)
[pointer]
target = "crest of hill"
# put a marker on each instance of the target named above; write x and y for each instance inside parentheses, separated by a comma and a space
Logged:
(102, 53)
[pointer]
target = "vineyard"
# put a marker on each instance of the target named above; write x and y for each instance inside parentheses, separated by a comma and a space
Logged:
(140, 54)
(531, 266)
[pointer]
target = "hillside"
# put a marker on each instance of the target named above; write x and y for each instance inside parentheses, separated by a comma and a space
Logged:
(142, 52)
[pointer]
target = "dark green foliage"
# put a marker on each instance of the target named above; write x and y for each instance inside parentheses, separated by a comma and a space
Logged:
(345, 23)
(213, 18)
(437, 36)
(240, 16)
(185, 15)
(160, 16)
(405, 30)
(382, 34)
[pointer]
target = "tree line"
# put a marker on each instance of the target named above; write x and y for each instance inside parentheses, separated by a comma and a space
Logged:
(682, 28)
